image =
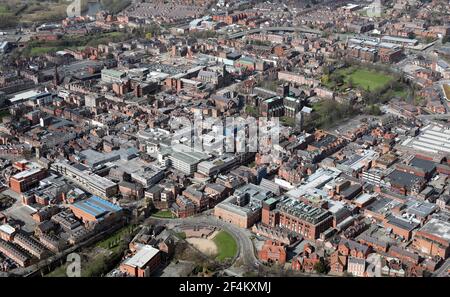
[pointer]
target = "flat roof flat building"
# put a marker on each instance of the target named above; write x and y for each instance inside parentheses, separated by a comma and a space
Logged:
(86, 179)
(143, 263)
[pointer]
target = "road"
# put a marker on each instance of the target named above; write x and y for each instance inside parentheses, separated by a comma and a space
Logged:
(246, 250)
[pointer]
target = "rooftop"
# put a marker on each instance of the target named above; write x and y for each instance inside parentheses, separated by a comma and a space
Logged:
(97, 206)
(438, 228)
(142, 257)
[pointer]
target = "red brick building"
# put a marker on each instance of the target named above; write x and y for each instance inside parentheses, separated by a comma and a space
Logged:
(273, 252)
(352, 248)
(307, 260)
(296, 216)
(143, 263)
(433, 238)
(27, 179)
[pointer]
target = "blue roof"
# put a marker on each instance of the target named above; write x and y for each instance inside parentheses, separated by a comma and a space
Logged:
(97, 206)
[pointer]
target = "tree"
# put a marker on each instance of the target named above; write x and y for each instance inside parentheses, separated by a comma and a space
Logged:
(350, 83)
(320, 267)
(445, 39)
(373, 109)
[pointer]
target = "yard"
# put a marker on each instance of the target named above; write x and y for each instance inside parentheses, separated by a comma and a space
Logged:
(226, 246)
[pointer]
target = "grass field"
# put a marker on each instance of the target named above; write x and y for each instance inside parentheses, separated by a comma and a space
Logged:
(365, 78)
(58, 272)
(164, 214)
(447, 91)
(113, 241)
(226, 245)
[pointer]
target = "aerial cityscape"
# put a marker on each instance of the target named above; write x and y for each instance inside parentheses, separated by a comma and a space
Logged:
(225, 138)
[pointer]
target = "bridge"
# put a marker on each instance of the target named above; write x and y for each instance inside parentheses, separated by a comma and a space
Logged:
(273, 29)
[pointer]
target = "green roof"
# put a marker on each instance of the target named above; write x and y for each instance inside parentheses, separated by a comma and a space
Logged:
(270, 201)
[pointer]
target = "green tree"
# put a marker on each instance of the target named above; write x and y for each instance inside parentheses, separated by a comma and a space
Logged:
(320, 267)
(350, 83)
(446, 39)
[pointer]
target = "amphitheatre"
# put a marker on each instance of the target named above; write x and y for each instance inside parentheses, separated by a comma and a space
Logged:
(211, 241)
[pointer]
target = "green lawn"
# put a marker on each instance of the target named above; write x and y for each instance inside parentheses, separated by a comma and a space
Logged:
(113, 241)
(365, 78)
(288, 121)
(226, 246)
(36, 51)
(181, 235)
(4, 8)
(164, 214)
(58, 272)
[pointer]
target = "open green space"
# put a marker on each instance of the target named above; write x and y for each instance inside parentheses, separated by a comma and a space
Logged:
(288, 121)
(36, 47)
(163, 214)
(98, 263)
(58, 272)
(365, 78)
(226, 246)
(328, 113)
(181, 235)
(359, 77)
(113, 241)
(4, 8)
